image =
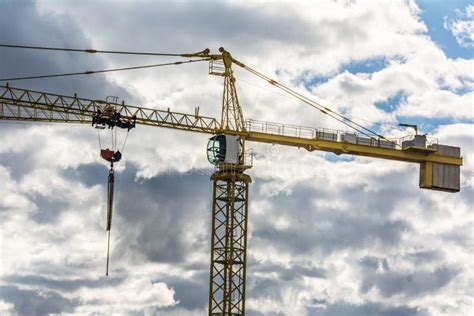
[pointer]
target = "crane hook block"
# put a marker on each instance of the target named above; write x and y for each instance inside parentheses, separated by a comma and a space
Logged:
(110, 155)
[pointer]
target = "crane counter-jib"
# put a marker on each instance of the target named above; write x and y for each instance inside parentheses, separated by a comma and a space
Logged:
(339, 147)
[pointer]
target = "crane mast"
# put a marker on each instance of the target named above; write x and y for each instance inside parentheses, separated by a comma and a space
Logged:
(439, 164)
(229, 208)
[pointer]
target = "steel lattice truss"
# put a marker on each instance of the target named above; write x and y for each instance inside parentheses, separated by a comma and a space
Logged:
(27, 105)
(229, 244)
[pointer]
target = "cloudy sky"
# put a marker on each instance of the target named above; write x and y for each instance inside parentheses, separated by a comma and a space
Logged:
(328, 235)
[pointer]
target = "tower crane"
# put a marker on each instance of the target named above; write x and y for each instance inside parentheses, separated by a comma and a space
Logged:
(439, 164)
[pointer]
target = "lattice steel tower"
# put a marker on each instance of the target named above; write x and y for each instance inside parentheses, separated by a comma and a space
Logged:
(230, 203)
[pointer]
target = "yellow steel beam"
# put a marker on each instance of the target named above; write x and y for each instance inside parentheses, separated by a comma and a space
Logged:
(26, 105)
(352, 149)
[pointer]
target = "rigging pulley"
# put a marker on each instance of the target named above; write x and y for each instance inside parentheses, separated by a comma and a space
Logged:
(111, 118)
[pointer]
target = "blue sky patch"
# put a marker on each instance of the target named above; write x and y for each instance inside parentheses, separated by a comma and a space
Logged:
(316, 81)
(311, 82)
(428, 125)
(433, 13)
(338, 158)
(391, 103)
(370, 65)
(459, 91)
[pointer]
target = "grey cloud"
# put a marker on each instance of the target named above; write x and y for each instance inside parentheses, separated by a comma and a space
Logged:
(159, 209)
(35, 302)
(155, 213)
(89, 175)
(21, 163)
(292, 273)
(461, 236)
(191, 293)
(17, 164)
(63, 285)
(49, 208)
(353, 232)
(366, 220)
(297, 272)
(267, 280)
(268, 287)
(198, 25)
(49, 30)
(274, 289)
(243, 30)
(258, 313)
(375, 273)
(342, 308)
(374, 263)
(153, 216)
(351, 85)
(424, 256)
(326, 230)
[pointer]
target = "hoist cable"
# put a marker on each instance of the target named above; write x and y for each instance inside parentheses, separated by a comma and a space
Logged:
(105, 70)
(94, 51)
(112, 139)
(305, 100)
(100, 143)
(297, 95)
(288, 96)
(325, 110)
(310, 102)
(125, 141)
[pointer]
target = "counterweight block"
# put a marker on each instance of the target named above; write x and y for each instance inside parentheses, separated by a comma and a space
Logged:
(229, 243)
(441, 176)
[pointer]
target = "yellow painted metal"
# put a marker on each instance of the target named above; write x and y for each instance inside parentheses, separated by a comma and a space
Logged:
(27, 105)
(228, 243)
(232, 117)
(426, 175)
(230, 210)
(338, 147)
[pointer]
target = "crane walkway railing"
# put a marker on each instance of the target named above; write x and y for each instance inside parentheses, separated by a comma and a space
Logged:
(290, 130)
(325, 134)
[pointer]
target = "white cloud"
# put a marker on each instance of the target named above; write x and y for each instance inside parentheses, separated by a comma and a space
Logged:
(134, 294)
(6, 308)
(462, 27)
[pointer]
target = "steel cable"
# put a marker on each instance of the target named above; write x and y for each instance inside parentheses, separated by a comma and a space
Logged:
(90, 72)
